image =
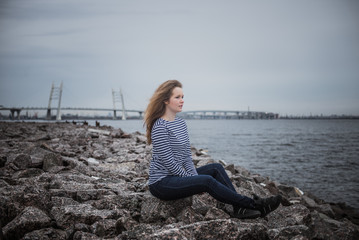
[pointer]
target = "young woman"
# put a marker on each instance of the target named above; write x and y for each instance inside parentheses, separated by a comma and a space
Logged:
(172, 173)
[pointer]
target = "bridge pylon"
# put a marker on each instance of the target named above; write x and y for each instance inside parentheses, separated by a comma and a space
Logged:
(55, 94)
(118, 97)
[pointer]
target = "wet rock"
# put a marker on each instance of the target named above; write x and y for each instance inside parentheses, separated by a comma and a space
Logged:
(30, 219)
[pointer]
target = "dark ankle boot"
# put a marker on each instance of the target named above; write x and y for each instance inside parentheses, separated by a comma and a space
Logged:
(266, 205)
(245, 213)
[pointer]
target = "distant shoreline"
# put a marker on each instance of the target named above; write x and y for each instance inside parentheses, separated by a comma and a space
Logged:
(82, 118)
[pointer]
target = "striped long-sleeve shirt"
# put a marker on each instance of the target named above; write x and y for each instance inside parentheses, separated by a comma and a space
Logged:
(171, 152)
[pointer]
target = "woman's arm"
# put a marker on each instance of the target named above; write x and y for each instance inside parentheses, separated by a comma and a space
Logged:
(188, 164)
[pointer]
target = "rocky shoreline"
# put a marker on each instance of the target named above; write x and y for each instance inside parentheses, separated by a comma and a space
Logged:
(73, 181)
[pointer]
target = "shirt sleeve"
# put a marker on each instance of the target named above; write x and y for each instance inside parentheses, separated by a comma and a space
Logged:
(188, 164)
(161, 142)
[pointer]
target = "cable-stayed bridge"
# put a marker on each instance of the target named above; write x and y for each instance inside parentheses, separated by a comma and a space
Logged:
(199, 114)
(117, 97)
(16, 111)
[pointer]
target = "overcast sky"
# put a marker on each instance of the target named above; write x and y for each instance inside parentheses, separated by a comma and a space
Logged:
(288, 57)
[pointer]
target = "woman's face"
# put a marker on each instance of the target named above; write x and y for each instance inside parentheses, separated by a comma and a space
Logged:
(176, 101)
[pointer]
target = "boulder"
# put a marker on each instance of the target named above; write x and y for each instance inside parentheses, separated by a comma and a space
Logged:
(155, 210)
(67, 216)
(289, 216)
(22, 161)
(289, 232)
(324, 227)
(104, 228)
(125, 224)
(215, 213)
(28, 173)
(28, 220)
(214, 229)
(46, 234)
(187, 215)
(51, 160)
(85, 236)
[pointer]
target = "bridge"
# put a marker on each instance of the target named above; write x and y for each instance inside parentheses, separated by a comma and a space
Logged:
(56, 93)
(199, 114)
(224, 114)
(18, 110)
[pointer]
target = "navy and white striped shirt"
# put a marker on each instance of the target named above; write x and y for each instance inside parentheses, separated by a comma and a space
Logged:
(171, 152)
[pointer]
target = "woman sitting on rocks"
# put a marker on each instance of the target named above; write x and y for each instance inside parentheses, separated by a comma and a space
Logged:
(172, 172)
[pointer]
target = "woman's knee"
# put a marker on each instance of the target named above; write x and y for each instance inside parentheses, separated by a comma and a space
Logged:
(208, 180)
(217, 167)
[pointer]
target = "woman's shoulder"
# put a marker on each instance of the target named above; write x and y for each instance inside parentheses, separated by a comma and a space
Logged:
(159, 124)
(163, 124)
(180, 121)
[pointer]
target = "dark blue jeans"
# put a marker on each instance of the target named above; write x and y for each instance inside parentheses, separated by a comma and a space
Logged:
(212, 178)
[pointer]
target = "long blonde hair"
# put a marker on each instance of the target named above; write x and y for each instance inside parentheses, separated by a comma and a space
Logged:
(157, 107)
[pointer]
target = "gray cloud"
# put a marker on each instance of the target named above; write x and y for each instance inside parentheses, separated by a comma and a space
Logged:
(287, 57)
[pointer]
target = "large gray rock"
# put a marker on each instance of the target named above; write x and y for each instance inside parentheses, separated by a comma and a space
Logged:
(324, 227)
(27, 173)
(51, 160)
(30, 219)
(289, 232)
(288, 216)
(67, 216)
(22, 161)
(104, 228)
(214, 229)
(155, 210)
(47, 234)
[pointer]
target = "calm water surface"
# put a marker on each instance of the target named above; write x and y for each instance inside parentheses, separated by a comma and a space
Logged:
(319, 156)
